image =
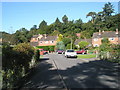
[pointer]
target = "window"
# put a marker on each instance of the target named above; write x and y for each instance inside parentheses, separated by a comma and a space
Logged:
(111, 39)
(95, 39)
(96, 45)
(51, 41)
(41, 42)
(46, 42)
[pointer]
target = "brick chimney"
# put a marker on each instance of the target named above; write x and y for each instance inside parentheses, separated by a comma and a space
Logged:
(116, 31)
(99, 32)
(45, 36)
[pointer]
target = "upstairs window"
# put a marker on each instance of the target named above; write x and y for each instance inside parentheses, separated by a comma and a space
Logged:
(41, 42)
(95, 39)
(111, 39)
(46, 42)
(51, 41)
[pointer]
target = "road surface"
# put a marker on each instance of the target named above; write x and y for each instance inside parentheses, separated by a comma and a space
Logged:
(56, 71)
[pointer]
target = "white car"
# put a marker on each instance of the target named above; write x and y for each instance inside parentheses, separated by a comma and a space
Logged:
(70, 53)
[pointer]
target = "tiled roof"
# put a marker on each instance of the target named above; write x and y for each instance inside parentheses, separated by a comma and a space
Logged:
(49, 38)
(34, 43)
(35, 36)
(79, 40)
(106, 34)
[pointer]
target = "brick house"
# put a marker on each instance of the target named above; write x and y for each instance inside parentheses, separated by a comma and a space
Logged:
(43, 40)
(113, 37)
(36, 38)
(47, 41)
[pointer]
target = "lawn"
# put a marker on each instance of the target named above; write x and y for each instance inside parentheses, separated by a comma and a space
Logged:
(86, 56)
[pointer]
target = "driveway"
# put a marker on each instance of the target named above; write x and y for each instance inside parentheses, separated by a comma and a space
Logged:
(61, 72)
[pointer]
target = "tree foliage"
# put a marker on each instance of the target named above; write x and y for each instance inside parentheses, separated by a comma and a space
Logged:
(104, 20)
(83, 44)
(60, 45)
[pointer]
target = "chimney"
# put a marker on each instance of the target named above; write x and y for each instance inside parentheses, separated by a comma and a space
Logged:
(45, 36)
(116, 31)
(99, 32)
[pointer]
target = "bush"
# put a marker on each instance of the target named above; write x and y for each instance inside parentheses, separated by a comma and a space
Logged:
(83, 44)
(37, 55)
(47, 48)
(15, 63)
(25, 52)
(109, 52)
(51, 48)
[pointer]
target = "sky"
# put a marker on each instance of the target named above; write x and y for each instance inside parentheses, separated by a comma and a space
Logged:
(16, 15)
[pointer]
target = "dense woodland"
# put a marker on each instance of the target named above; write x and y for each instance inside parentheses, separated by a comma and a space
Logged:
(105, 20)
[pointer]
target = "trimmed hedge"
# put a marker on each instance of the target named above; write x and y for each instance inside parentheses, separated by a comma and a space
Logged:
(47, 48)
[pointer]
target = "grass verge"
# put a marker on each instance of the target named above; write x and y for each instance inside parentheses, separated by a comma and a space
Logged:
(86, 56)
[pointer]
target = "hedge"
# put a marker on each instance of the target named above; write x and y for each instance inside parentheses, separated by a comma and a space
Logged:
(47, 48)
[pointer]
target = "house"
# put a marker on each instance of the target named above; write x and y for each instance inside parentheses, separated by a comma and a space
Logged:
(36, 38)
(79, 40)
(48, 41)
(113, 37)
(43, 40)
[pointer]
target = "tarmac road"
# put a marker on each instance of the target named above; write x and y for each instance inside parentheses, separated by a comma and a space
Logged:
(56, 71)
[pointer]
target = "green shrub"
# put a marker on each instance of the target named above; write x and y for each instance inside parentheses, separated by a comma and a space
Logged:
(51, 48)
(37, 55)
(110, 52)
(47, 48)
(25, 52)
(15, 63)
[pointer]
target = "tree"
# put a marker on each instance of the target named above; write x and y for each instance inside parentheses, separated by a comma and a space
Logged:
(86, 34)
(34, 27)
(105, 40)
(60, 37)
(42, 24)
(65, 19)
(92, 14)
(57, 21)
(60, 45)
(55, 32)
(108, 9)
(83, 44)
(66, 41)
(21, 35)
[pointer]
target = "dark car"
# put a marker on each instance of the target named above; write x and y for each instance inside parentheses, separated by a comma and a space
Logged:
(60, 51)
(81, 52)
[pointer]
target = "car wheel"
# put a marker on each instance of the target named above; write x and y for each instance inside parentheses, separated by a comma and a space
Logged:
(83, 53)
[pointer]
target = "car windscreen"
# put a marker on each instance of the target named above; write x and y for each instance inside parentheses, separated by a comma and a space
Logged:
(70, 50)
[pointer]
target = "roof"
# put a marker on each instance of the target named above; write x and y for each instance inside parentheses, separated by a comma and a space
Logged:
(35, 36)
(49, 38)
(34, 43)
(78, 34)
(79, 40)
(106, 34)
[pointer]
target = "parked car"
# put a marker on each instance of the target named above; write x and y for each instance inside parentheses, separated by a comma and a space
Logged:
(70, 53)
(60, 51)
(81, 52)
(42, 51)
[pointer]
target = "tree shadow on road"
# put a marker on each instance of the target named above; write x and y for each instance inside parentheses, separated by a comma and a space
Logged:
(90, 75)
(83, 75)
(45, 58)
